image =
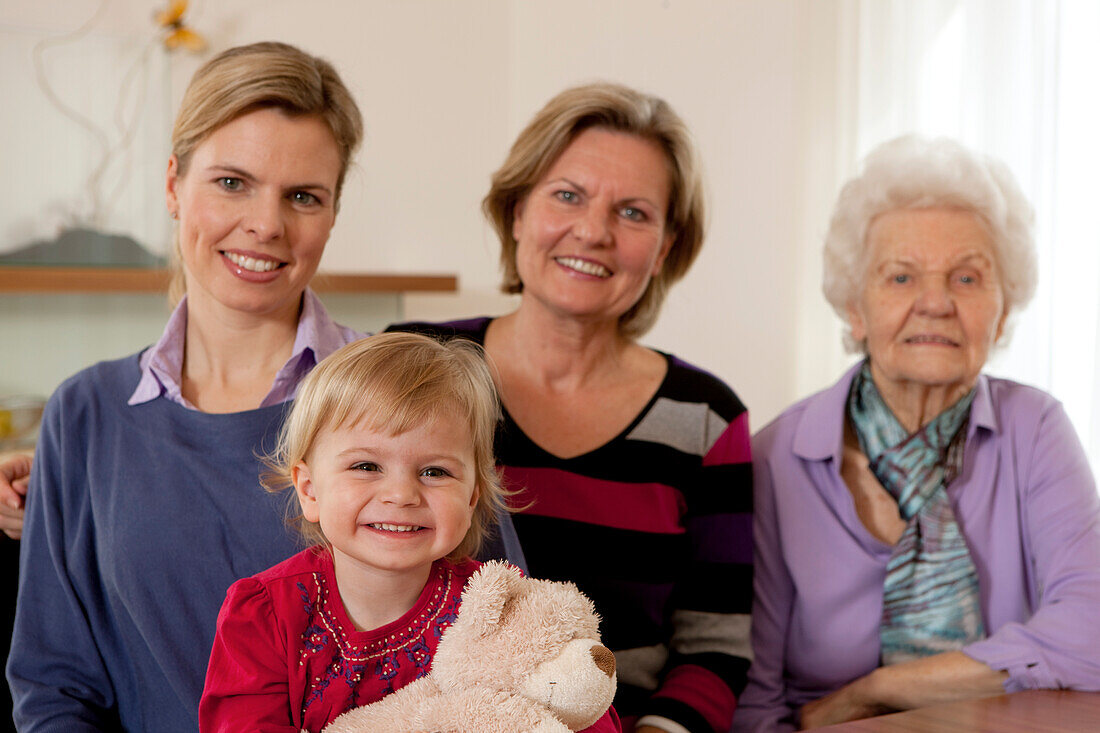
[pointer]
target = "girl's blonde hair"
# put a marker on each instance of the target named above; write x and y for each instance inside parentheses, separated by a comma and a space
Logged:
(393, 382)
(258, 76)
(616, 108)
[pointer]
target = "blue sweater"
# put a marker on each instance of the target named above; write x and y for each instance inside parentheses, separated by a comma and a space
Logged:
(138, 520)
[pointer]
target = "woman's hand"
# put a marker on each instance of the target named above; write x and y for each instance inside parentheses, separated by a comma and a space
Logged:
(14, 473)
(876, 508)
(935, 680)
(850, 702)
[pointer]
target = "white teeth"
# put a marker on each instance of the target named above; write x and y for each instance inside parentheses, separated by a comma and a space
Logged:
(395, 527)
(588, 268)
(250, 263)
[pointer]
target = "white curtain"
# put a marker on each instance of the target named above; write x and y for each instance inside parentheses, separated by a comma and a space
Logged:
(1019, 80)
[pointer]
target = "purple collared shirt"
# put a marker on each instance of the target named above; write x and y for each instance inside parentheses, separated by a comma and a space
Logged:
(1026, 502)
(317, 337)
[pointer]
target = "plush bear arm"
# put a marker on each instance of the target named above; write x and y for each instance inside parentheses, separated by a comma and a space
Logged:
(392, 714)
(476, 710)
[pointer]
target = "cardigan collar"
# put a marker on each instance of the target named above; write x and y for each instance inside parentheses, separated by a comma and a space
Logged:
(819, 435)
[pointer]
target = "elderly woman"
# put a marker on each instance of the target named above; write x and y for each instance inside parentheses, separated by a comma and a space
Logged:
(924, 533)
(632, 466)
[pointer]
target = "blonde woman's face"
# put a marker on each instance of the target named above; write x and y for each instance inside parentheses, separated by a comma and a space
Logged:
(932, 305)
(255, 208)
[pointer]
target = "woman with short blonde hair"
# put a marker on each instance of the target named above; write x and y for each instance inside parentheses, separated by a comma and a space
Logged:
(638, 458)
(622, 109)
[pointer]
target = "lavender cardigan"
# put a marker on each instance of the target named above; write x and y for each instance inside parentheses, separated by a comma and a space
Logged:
(1025, 500)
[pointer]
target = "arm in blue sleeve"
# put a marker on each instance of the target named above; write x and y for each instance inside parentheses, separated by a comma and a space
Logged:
(58, 677)
(503, 543)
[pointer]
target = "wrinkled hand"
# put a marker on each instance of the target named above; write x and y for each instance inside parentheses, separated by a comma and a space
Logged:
(847, 703)
(14, 473)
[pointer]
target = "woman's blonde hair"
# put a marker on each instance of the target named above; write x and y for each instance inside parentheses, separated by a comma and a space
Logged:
(258, 76)
(394, 382)
(619, 109)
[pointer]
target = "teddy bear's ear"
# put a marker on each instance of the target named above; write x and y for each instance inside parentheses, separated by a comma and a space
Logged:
(486, 595)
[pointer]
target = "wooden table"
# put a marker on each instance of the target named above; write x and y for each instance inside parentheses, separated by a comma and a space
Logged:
(1033, 711)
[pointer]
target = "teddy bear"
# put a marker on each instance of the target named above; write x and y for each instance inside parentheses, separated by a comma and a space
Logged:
(522, 655)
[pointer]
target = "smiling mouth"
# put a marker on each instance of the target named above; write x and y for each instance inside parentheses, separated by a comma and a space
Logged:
(583, 266)
(395, 527)
(252, 264)
(941, 340)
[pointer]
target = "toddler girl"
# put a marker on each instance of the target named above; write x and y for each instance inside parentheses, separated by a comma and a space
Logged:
(389, 449)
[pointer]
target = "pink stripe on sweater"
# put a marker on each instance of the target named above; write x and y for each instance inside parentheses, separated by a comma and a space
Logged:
(644, 507)
(703, 690)
(733, 445)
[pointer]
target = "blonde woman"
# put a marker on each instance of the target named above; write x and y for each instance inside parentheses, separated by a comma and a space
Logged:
(144, 503)
(631, 465)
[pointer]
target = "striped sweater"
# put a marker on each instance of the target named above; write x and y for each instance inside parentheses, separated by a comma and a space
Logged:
(655, 527)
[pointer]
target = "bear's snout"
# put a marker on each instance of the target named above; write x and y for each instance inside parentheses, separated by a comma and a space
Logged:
(604, 659)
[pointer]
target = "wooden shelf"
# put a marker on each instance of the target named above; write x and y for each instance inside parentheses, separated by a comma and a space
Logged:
(35, 279)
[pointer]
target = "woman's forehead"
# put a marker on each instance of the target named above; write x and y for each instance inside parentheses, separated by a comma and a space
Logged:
(933, 235)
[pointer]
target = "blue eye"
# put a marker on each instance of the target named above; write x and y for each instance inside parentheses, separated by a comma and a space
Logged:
(566, 196)
(967, 279)
(900, 279)
(304, 198)
(230, 184)
(634, 214)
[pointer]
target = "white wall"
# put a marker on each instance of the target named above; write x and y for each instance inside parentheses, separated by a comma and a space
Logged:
(445, 86)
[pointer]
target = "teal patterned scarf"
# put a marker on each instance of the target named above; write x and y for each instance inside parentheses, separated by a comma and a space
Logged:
(931, 602)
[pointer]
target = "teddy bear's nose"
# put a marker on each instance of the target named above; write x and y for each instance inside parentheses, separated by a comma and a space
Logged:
(605, 660)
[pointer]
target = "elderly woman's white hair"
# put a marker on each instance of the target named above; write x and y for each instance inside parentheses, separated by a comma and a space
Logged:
(913, 172)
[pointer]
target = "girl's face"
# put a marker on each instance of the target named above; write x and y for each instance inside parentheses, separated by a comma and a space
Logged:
(390, 503)
(255, 208)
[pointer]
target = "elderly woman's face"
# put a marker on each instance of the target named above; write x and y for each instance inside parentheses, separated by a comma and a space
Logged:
(932, 303)
(591, 233)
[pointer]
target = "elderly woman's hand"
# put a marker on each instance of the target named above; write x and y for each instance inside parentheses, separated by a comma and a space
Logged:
(851, 702)
(876, 508)
(934, 680)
